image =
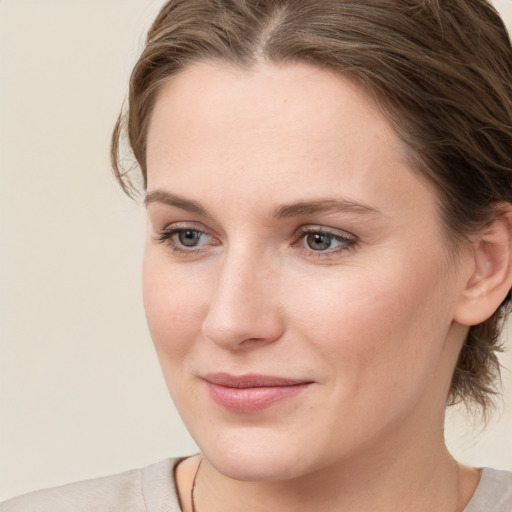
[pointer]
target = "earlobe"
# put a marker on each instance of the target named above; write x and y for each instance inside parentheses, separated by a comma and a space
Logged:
(491, 277)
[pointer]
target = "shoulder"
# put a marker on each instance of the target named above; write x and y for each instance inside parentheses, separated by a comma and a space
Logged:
(148, 489)
(494, 492)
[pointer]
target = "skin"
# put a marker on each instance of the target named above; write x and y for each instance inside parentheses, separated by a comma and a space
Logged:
(372, 321)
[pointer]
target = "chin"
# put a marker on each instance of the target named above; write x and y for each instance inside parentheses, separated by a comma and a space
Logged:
(246, 465)
(257, 454)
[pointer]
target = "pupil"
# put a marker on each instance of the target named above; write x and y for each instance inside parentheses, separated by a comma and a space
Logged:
(189, 238)
(319, 241)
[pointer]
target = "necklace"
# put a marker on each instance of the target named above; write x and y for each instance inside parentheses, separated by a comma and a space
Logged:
(192, 501)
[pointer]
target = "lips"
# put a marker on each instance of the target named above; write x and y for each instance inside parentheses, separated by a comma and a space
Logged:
(251, 393)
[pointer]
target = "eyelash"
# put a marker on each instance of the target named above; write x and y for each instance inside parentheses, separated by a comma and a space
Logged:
(347, 242)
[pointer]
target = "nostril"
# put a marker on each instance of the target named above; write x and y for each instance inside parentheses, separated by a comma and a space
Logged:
(243, 329)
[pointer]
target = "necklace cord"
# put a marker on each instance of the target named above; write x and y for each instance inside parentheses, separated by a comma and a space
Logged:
(192, 490)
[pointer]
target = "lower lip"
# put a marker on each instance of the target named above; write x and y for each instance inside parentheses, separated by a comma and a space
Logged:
(246, 400)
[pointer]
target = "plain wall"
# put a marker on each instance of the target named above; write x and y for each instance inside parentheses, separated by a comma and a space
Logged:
(81, 392)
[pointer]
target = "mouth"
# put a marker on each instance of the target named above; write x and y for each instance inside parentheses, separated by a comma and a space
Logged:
(251, 393)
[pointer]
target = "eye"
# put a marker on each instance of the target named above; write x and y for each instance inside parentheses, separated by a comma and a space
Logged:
(185, 240)
(317, 240)
(189, 237)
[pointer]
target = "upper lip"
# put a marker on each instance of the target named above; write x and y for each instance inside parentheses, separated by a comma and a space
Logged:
(251, 380)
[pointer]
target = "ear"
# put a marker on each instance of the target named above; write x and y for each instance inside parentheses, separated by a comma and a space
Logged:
(491, 266)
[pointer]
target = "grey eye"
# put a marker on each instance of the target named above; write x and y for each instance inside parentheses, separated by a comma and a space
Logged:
(190, 237)
(319, 241)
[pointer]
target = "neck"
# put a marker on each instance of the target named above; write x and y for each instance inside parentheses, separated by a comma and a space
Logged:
(386, 480)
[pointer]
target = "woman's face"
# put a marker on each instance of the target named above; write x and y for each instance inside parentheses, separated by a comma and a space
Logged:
(297, 285)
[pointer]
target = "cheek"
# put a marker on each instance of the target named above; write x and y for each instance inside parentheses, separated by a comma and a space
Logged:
(378, 331)
(175, 305)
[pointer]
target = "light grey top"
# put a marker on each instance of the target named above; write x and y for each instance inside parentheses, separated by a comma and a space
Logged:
(493, 494)
(152, 489)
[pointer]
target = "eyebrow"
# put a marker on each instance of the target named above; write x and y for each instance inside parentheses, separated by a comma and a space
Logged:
(161, 196)
(322, 206)
(281, 212)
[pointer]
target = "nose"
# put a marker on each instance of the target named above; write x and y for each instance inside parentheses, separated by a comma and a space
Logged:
(244, 306)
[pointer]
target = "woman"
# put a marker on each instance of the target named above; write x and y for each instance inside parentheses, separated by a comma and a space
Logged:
(328, 259)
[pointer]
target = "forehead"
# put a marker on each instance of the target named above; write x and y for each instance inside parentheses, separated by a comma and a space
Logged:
(290, 128)
(270, 97)
(289, 100)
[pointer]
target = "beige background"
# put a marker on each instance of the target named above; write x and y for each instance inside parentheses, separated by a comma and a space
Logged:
(81, 393)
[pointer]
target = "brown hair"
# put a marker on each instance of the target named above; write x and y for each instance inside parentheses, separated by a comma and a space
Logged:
(440, 69)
